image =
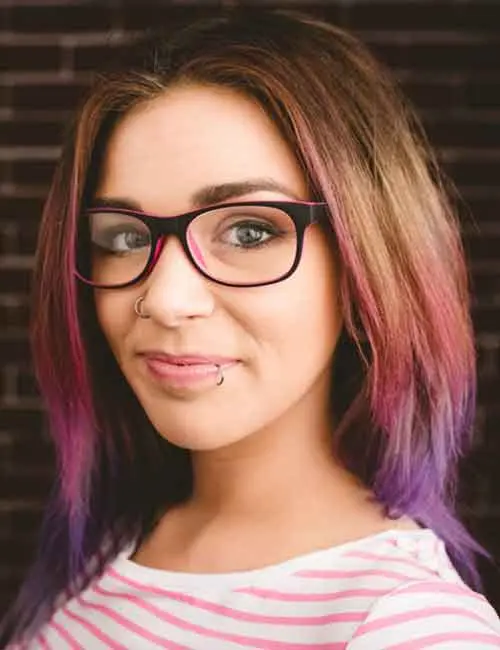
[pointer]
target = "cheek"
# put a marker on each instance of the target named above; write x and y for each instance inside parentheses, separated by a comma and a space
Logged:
(115, 315)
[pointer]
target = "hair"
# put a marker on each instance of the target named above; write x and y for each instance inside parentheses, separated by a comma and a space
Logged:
(404, 367)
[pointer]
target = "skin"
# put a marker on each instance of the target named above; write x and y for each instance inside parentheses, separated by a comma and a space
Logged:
(266, 484)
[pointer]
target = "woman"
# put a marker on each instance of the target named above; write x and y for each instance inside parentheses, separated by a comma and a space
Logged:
(252, 333)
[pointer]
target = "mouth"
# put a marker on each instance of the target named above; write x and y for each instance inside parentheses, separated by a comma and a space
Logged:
(187, 359)
(186, 371)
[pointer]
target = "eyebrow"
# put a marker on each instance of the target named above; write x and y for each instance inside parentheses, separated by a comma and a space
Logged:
(211, 194)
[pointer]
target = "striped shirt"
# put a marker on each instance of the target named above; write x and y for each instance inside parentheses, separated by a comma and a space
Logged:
(395, 590)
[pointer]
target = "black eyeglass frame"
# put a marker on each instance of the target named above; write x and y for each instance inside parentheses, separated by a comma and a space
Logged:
(302, 213)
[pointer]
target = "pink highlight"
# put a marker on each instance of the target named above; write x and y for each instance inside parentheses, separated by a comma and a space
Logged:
(195, 249)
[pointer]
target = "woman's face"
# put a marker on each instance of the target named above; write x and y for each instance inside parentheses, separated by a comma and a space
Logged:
(275, 342)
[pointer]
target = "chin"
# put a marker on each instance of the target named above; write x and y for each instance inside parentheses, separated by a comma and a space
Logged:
(196, 440)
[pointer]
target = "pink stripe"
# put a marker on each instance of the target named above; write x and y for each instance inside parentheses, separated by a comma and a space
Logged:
(446, 637)
(229, 612)
(195, 249)
(347, 617)
(43, 641)
(93, 630)
(427, 613)
(66, 636)
(269, 594)
(129, 625)
(437, 587)
(364, 555)
(252, 642)
(326, 574)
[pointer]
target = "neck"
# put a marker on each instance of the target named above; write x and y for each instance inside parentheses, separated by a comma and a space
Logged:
(285, 473)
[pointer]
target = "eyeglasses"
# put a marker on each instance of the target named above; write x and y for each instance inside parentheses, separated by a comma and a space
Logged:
(235, 244)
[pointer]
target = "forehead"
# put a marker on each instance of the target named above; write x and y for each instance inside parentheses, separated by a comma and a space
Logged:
(193, 136)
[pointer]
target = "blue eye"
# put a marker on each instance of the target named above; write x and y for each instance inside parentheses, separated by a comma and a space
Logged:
(248, 234)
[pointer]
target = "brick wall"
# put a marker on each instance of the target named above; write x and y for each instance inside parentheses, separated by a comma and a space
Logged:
(446, 54)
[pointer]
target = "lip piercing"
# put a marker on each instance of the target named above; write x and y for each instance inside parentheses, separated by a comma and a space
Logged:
(220, 375)
(138, 308)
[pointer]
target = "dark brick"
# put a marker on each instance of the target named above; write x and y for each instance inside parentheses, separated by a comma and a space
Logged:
(60, 18)
(10, 584)
(98, 57)
(483, 248)
(14, 348)
(430, 94)
(32, 453)
(26, 383)
(486, 320)
(15, 280)
(487, 391)
(30, 134)
(457, 132)
(414, 16)
(474, 173)
(4, 171)
(26, 240)
(471, 483)
(14, 316)
(491, 433)
(484, 286)
(485, 362)
(51, 96)
(4, 18)
(439, 57)
(22, 486)
(29, 57)
(21, 419)
(27, 519)
(20, 208)
(21, 551)
(5, 242)
(32, 172)
(485, 209)
(4, 96)
(482, 93)
(153, 14)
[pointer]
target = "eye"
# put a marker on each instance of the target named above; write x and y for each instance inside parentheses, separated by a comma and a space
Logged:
(120, 241)
(126, 241)
(248, 234)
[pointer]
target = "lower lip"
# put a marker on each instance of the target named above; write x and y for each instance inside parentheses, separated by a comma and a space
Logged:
(185, 376)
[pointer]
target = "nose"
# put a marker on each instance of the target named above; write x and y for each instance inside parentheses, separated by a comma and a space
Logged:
(175, 289)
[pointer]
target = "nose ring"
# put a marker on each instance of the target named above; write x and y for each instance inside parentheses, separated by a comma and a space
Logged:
(138, 308)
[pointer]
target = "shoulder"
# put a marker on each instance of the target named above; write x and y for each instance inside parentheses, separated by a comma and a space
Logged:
(429, 613)
(418, 599)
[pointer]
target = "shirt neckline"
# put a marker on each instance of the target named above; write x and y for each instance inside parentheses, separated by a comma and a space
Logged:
(187, 580)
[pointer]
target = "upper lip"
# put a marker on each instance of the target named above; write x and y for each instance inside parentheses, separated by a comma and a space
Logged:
(187, 359)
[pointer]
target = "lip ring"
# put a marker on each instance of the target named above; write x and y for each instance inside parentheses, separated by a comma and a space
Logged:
(220, 376)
